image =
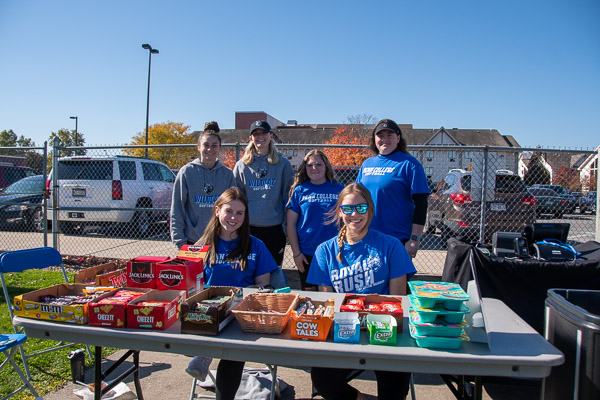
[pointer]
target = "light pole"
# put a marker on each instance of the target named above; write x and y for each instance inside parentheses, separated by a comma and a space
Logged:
(76, 120)
(150, 52)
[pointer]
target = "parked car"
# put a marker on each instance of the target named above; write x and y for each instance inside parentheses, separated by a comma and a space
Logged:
(570, 202)
(10, 173)
(101, 190)
(548, 202)
(453, 210)
(28, 193)
(584, 203)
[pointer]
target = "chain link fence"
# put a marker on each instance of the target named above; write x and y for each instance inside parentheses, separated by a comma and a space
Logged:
(109, 201)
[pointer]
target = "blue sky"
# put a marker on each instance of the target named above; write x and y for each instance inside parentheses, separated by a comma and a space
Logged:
(530, 69)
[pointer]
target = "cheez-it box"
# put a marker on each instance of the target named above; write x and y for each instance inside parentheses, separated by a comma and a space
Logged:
(155, 310)
(111, 311)
(141, 271)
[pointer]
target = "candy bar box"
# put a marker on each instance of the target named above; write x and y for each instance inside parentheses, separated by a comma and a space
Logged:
(108, 274)
(312, 319)
(64, 303)
(155, 310)
(373, 304)
(141, 271)
(208, 312)
(180, 274)
(111, 311)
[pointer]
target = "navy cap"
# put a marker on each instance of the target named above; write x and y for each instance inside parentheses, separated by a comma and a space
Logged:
(264, 125)
(387, 125)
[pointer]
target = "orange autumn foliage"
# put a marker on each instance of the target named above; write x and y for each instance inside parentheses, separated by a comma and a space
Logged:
(348, 155)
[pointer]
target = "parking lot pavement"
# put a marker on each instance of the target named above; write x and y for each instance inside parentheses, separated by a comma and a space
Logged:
(163, 376)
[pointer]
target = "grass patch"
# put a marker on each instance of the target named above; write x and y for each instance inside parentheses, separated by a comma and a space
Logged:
(48, 371)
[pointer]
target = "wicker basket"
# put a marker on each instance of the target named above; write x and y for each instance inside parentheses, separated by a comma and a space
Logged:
(265, 312)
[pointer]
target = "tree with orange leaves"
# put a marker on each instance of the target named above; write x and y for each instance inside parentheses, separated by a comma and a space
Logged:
(350, 135)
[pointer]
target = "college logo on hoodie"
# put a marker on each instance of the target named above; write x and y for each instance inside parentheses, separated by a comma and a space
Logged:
(262, 184)
(205, 201)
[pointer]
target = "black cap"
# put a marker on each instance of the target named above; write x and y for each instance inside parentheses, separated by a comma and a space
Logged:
(387, 125)
(264, 125)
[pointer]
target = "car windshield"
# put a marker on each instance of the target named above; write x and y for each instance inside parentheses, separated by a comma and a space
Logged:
(25, 186)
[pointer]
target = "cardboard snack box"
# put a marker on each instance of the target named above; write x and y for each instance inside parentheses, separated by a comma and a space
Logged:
(180, 274)
(108, 274)
(29, 305)
(141, 271)
(313, 327)
(379, 300)
(156, 317)
(111, 315)
(213, 319)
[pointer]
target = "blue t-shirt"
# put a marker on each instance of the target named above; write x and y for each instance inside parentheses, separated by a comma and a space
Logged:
(366, 267)
(260, 262)
(311, 202)
(392, 180)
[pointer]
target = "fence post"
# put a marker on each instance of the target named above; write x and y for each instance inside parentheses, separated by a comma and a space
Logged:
(45, 198)
(483, 195)
(55, 154)
(597, 199)
(237, 151)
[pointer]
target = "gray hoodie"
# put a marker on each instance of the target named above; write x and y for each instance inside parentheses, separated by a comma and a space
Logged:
(267, 188)
(195, 191)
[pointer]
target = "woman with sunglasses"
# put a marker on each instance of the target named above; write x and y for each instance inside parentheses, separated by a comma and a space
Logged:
(265, 177)
(197, 186)
(237, 259)
(364, 261)
(396, 181)
(313, 193)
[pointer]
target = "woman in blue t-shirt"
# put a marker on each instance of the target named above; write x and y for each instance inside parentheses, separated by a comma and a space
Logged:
(359, 260)
(234, 259)
(313, 194)
(398, 186)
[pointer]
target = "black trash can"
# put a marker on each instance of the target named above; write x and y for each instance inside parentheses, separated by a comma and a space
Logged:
(573, 327)
(77, 358)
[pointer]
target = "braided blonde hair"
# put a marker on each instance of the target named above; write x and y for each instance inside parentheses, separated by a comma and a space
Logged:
(334, 216)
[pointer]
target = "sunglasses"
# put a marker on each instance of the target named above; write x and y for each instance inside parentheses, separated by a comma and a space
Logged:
(360, 208)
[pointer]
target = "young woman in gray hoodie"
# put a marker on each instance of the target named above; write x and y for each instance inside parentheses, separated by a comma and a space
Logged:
(198, 185)
(265, 177)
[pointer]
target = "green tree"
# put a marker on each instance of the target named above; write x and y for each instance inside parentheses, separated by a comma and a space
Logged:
(8, 138)
(165, 133)
(67, 139)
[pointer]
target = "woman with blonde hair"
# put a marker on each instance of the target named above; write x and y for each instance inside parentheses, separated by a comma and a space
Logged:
(365, 261)
(265, 177)
(197, 186)
(313, 194)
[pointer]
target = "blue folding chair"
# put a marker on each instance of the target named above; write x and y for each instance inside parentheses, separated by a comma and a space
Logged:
(9, 345)
(19, 261)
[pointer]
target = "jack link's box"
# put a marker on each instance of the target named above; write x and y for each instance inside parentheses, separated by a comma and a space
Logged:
(311, 326)
(53, 304)
(208, 312)
(155, 310)
(111, 311)
(108, 274)
(373, 304)
(141, 271)
(180, 274)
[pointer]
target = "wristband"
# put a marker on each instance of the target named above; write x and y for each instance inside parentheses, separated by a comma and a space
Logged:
(296, 256)
(415, 238)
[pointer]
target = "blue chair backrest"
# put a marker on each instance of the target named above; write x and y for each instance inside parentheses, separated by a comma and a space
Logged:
(21, 260)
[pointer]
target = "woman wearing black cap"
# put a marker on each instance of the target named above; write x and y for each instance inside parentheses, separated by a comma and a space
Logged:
(265, 177)
(398, 185)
